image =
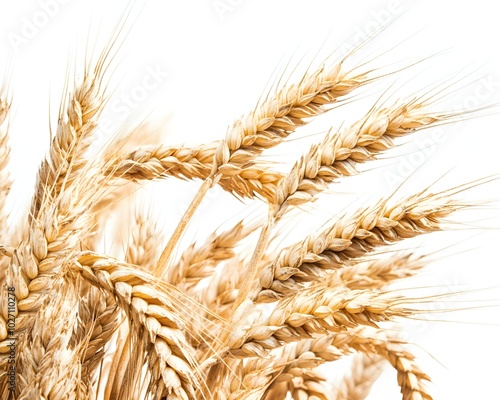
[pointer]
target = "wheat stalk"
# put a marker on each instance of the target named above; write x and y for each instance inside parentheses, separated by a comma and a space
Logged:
(5, 179)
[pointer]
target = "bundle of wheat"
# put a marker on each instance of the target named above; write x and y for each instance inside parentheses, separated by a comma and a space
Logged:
(240, 315)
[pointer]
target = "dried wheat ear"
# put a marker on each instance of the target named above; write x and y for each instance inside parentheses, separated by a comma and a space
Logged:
(236, 316)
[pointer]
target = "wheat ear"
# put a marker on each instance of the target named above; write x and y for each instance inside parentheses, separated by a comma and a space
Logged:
(152, 162)
(291, 369)
(349, 238)
(411, 379)
(357, 383)
(49, 360)
(53, 236)
(145, 241)
(153, 309)
(340, 151)
(309, 353)
(76, 125)
(317, 310)
(376, 274)
(99, 318)
(198, 262)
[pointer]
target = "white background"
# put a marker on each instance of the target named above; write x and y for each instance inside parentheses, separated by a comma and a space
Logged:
(217, 58)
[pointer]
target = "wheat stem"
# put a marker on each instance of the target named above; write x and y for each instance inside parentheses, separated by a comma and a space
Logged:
(5, 180)
(162, 265)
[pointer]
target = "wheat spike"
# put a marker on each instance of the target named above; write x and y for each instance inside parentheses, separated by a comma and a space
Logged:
(356, 384)
(349, 238)
(152, 309)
